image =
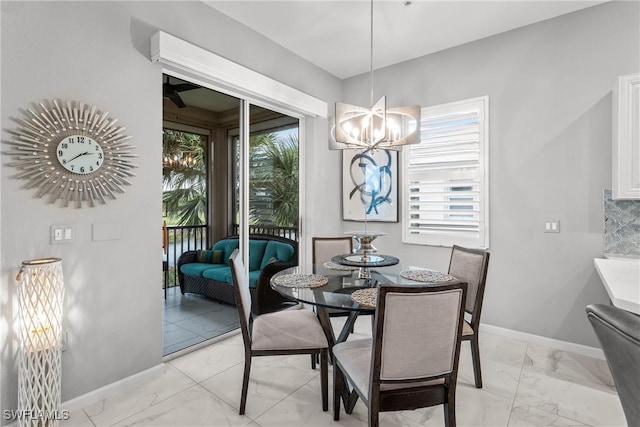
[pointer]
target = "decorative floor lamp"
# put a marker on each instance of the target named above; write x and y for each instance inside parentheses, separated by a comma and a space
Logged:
(40, 297)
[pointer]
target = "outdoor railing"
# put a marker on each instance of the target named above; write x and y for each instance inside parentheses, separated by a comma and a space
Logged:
(182, 238)
(274, 230)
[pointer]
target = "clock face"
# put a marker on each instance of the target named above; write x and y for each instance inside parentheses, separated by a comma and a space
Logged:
(80, 154)
(72, 152)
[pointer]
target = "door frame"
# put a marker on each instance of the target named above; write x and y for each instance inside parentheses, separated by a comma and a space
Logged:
(192, 63)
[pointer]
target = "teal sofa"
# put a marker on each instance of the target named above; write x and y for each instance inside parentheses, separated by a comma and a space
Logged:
(207, 272)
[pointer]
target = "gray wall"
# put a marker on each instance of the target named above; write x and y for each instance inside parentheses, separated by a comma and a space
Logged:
(550, 93)
(98, 52)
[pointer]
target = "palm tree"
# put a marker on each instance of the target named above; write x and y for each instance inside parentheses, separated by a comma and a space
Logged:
(282, 180)
(273, 178)
(184, 178)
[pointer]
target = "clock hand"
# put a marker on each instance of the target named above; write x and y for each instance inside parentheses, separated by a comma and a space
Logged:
(79, 155)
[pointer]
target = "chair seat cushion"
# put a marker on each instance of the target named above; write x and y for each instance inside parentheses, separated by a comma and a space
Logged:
(222, 273)
(197, 268)
(287, 330)
(354, 357)
(467, 330)
(219, 274)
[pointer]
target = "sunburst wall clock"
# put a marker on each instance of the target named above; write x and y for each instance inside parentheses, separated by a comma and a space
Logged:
(72, 152)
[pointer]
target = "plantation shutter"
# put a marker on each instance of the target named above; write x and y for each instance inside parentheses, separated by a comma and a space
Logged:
(445, 200)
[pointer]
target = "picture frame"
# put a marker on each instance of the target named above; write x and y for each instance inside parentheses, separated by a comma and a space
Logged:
(370, 185)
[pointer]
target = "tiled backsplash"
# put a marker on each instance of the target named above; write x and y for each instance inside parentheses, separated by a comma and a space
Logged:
(621, 226)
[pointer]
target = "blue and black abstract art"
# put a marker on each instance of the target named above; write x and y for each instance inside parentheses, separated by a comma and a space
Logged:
(370, 185)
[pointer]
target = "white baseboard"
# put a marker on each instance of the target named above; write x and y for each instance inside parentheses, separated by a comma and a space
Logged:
(539, 340)
(123, 384)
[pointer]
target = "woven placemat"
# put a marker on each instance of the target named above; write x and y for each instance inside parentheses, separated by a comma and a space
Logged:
(427, 275)
(300, 280)
(366, 297)
(335, 266)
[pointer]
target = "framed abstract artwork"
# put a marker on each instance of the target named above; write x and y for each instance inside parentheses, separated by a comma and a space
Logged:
(370, 185)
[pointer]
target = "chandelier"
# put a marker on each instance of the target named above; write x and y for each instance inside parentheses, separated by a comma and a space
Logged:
(377, 127)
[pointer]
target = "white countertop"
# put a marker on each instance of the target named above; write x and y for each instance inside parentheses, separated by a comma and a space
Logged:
(621, 279)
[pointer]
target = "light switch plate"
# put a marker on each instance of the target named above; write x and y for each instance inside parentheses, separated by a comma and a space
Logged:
(552, 226)
(62, 233)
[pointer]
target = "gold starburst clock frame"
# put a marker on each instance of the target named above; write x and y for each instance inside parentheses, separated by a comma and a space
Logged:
(71, 151)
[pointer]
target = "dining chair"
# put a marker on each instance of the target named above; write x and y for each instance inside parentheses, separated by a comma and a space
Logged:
(278, 333)
(470, 266)
(412, 359)
(324, 248)
(618, 331)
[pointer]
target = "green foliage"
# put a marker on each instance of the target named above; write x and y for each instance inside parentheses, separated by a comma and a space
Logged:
(273, 179)
(184, 178)
(282, 180)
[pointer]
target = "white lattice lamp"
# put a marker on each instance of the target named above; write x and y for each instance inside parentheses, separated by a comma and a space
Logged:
(40, 298)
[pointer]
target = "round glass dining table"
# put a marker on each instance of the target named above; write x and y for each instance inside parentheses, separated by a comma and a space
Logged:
(341, 282)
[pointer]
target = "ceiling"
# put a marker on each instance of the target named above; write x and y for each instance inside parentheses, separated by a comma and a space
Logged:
(336, 35)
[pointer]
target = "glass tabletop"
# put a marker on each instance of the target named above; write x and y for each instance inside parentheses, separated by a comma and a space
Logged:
(341, 283)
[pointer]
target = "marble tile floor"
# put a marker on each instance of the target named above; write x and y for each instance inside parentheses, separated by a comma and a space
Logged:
(524, 385)
(191, 319)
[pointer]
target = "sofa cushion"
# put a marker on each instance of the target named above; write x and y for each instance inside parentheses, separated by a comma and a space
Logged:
(210, 256)
(230, 245)
(223, 274)
(197, 268)
(253, 278)
(219, 274)
(280, 250)
(256, 252)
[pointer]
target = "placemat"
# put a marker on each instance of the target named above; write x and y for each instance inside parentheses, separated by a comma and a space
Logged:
(366, 297)
(335, 266)
(427, 275)
(300, 280)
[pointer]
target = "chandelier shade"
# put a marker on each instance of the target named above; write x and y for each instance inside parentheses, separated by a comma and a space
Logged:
(377, 127)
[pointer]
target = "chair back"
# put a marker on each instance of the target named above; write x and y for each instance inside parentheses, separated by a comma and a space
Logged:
(470, 266)
(324, 248)
(418, 332)
(241, 292)
(619, 334)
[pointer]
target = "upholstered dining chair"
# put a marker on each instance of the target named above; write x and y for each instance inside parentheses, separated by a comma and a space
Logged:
(412, 360)
(278, 333)
(470, 266)
(324, 248)
(619, 334)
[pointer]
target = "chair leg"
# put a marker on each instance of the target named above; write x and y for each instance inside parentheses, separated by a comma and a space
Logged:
(245, 383)
(313, 361)
(338, 386)
(374, 417)
(324, 378)
(450, 408)
(449, 415)
(475, 356)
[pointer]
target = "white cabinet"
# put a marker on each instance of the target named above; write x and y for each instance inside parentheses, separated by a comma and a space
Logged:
(626, 138)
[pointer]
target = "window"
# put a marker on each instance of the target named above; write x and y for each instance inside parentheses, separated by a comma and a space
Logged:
(446, 177)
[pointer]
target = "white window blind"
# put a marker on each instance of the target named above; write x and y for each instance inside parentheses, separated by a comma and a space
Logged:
(445, 177)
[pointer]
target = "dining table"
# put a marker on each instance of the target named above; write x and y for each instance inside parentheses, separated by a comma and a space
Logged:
(333, 285)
